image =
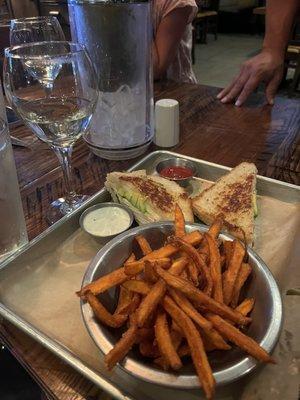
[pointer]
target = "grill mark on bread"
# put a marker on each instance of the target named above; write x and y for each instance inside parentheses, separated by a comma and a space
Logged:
(153, 190)
(236, 196)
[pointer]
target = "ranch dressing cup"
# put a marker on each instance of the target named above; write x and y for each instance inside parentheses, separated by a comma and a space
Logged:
(106, 220)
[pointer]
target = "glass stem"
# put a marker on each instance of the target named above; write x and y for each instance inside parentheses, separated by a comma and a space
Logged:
(48, 87)
(64, 155)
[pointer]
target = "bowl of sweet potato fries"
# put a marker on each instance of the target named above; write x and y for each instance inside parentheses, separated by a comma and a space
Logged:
(182, 305)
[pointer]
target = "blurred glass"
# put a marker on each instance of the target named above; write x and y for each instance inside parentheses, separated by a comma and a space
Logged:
(35, 29)
(12, 228)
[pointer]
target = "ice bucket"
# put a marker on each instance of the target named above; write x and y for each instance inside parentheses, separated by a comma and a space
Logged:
(117, 35)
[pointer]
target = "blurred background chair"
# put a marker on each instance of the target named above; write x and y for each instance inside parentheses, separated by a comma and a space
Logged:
(292, 58)
(206, 20)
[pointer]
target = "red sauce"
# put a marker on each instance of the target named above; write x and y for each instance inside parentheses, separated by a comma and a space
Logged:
(176, 172)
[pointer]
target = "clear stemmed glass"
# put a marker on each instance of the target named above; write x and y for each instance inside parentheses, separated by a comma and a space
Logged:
(60, 118)
(35, 29)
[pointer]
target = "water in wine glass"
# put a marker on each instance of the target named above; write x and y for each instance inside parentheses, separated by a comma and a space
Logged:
(57, 121)
(43, 70)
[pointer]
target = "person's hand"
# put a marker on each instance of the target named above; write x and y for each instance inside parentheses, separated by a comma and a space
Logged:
(266, 67)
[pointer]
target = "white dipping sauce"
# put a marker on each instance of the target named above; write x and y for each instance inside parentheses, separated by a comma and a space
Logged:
(106, 221)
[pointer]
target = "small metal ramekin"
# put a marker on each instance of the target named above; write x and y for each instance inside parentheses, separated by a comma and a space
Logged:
(105, 239)
(177, 162)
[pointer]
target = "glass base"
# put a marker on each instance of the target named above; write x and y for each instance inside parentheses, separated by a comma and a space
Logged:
(117, 154)
(59, 208)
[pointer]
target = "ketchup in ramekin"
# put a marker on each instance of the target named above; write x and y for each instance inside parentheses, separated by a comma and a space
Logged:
(176, 172)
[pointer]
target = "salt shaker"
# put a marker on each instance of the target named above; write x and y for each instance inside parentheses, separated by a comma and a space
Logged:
(166, 123)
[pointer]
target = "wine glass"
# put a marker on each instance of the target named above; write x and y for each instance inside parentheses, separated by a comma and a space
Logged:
(61, 118)
(35, 29)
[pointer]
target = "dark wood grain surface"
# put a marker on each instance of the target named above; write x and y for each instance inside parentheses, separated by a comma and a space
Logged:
(224, 134)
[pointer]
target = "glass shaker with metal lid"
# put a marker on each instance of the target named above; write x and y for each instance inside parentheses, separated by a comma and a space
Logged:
(117, 35)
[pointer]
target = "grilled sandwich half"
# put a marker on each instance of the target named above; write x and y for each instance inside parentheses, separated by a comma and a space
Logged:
(151, 198)
(233, 198)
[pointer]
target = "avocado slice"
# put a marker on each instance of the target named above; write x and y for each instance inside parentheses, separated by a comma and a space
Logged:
(254, 201)
(141, 205)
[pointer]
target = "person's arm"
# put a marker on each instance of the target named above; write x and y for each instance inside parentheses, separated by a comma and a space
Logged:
(167, 39)
(268, 65)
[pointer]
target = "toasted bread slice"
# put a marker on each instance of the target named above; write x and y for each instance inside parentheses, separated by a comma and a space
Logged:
(231, 198)
(151, 198)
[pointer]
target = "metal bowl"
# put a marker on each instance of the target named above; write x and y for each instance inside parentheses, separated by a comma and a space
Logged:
(177, 162)
(227, 366)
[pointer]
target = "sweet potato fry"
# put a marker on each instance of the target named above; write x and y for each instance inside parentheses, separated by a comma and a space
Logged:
(136, 267)
(118, 276)
(164, 341)
(189, 309)
(101, 313)
(148, 349)
(145, 334)
(179, 222)
(195, 343)
(243, 275)
(131, 307)
(227, 247)
(240, 339)
(184, 275)
(201, 299)
(136, 286)
(193, 273)
(150, 302)
(168, 250)
(176, 339)
(194, 255)
(144, 244)
(203, 250)
(104, 283)
(215, 268)
(125, 297)
(149, 272)
(184, 350)
(215, 228)
(215, 338)
(130, 258)
(223, 261)
(212, 340)
(122, 347)
(246, 306)
(230, 275)
(176, 328)
(178, 266)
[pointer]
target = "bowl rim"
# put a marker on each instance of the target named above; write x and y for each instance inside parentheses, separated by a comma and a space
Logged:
(165, 378)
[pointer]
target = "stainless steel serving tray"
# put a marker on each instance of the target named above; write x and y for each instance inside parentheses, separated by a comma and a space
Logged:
(25, 265)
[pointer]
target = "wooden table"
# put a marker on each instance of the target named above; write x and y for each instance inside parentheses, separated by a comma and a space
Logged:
(224, 134)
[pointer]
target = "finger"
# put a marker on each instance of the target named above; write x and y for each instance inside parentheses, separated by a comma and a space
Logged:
(272, 87)
(250, 86)
(226, 90)
(236, 89)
